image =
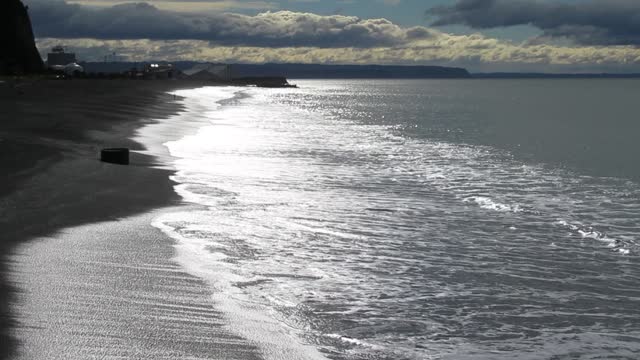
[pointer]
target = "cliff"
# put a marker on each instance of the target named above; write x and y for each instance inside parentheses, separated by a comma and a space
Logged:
(18, 52)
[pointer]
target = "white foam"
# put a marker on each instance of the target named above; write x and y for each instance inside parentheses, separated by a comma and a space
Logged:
(588, 232)
(490, 204)
(353, 341)
(248, 319)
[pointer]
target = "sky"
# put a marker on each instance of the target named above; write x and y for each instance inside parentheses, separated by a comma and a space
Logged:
(480, 35)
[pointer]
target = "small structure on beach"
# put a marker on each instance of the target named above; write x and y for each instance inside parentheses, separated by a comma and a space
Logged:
(73, 69)
(58, 57)
(212, 72)
(160, 71)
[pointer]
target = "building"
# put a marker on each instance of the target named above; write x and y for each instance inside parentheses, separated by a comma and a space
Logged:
(212, 72)
(58, 57)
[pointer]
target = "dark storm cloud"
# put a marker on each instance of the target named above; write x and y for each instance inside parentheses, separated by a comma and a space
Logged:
(608, 22)
(54, 18)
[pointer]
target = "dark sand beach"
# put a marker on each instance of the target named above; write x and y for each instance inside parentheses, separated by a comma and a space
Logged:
(85, 287)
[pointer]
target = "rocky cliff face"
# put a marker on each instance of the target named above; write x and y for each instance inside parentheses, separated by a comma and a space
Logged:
(18, 53)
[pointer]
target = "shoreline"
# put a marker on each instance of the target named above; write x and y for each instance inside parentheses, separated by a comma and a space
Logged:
(58, 182)
(198, 255)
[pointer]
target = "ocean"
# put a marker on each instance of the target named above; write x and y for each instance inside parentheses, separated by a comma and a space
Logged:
(416, 219)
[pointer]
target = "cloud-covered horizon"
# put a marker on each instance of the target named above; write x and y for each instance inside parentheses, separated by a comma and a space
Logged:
(610, 22)
(142, 32)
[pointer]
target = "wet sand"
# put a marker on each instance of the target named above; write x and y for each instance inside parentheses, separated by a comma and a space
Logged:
(70, 305)
(109, 290)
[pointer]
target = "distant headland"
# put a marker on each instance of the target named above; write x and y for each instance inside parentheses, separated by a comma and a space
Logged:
(304, 71)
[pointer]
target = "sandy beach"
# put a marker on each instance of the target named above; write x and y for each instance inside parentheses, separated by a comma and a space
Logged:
(81, 292)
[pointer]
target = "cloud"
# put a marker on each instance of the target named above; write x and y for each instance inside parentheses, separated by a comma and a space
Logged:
(54, 18)
(610, 22)
(193, 6)
(142, 32)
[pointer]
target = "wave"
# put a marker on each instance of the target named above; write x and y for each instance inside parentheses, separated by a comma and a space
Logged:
(490, 204)
(588, 232)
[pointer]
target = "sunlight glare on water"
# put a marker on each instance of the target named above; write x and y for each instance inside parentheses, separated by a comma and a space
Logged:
(376, 221)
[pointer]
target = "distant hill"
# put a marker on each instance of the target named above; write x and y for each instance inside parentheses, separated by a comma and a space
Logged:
(553, 76)
(308, 71)
(19, 54)
(311, 71)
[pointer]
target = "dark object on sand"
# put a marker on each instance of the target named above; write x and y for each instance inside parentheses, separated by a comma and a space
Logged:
(19, 54)
(115, 156)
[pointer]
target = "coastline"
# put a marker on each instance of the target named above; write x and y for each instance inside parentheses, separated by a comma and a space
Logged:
(57, 182)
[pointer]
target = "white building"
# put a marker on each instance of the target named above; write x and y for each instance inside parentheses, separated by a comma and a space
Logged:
(58, 57)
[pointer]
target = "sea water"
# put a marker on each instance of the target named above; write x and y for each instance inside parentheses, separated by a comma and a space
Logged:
(416, 219)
